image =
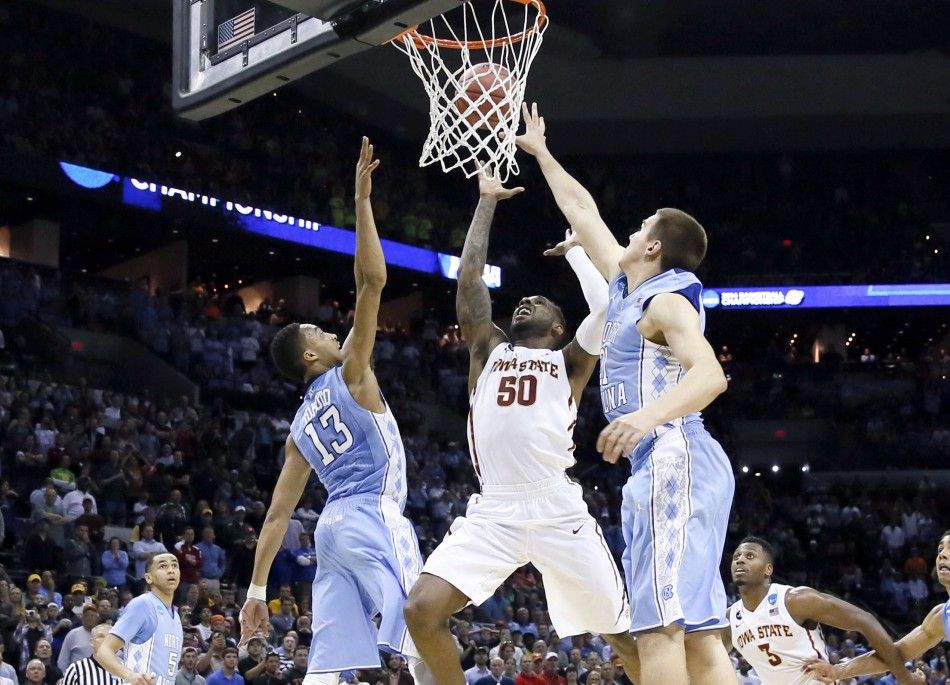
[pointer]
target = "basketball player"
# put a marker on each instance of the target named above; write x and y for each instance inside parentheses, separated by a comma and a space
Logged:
(345, 431)
(934, 630)
(776, 627)
(149, 630)
(657, 371)
(524, 393)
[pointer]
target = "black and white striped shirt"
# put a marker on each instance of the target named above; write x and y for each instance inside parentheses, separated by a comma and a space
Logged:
(88, 672)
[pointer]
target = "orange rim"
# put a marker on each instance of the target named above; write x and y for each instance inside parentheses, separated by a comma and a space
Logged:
(423, 41)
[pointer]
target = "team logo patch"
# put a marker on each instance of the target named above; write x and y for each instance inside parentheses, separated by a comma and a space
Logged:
(668, 592)
(773, 598)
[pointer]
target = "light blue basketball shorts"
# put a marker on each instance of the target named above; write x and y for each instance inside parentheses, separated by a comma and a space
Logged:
(675, 514)
(367, 560)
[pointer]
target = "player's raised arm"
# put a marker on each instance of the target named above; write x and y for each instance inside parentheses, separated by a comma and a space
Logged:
(370, 272)
(806, 604)
(670, 320)
(926, 636)
(472, 301)
(290, 486)
(572, 198)
(582, 353)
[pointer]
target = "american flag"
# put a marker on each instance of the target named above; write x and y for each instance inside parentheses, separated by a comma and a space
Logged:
(236, 29)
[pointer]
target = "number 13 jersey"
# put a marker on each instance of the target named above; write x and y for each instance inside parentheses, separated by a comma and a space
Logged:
(353, 450)
(522, 416)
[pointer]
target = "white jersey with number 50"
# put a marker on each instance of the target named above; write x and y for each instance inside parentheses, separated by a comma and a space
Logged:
(772, 641)
(521, 418)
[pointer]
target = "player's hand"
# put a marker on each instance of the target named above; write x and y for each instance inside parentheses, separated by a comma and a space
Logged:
(255, 620)
(364, 170)
(918, 677)
(490, 186)
(570, 240)
(532, 140)
(819, 670)
(621, 435)
(141, 679)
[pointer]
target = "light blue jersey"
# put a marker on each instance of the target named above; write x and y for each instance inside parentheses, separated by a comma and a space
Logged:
(676, 503)
(353, 450)
(946, 621)
(367, 550)
(633, 370)
(153, 638)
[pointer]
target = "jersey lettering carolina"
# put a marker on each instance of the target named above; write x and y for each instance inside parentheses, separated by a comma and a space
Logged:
(633, 370)
(522, 417)
(772, 642)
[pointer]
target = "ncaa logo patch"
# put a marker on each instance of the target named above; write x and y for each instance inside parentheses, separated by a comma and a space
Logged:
(773, 598)
(668, 592)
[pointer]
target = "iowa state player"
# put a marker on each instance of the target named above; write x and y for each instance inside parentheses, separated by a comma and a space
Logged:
(776, 627)
(523, 397)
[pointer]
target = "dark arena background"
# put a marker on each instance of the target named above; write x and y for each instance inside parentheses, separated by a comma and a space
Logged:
(151, 252)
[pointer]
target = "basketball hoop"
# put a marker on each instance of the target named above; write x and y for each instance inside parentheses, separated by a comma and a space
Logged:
(474, 66)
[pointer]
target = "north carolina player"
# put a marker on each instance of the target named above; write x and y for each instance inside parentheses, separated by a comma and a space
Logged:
(345, 431)
(149, 630)
(657, 371)
(523, 407)
(777, 628)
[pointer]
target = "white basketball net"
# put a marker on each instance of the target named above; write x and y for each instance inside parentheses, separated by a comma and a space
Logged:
(508, 40)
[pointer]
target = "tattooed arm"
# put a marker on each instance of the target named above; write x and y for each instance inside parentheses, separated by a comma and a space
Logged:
(472, 301)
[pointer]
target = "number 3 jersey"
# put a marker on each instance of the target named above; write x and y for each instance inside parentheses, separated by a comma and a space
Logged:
(773, 643)
(353, 450)
(521, 418)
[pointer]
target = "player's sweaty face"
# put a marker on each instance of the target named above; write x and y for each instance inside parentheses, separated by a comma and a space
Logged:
(165, 572)
(748, 564)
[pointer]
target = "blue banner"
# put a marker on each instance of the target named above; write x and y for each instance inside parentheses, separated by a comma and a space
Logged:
(154, 196)
(822, 296)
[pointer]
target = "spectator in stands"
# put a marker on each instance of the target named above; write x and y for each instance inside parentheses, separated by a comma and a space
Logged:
(35, 673)
(73, 500)
(187, 674)
(285, 594)
(496, 674)
(480, 669)
(78, 642)
(528, 674)
(298, 670)
(227, 674)
(396, 671)
(143, 548)
(271, 674)
(494, 608)
(95, 523)
(115, 564)
(189, 561)
(29, 631)
(63, 476)
(6, 670)
(79, 555)
(284, 619)
(252, 665)
(305, 557)
(44, 652)
(213, 560)
(213, 660)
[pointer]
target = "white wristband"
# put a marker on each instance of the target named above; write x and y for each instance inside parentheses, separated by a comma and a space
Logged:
(257, 592)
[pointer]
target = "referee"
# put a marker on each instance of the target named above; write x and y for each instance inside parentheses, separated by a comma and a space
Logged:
(88, 671)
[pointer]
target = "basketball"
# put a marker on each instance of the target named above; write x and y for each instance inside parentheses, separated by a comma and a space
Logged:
(483, 90)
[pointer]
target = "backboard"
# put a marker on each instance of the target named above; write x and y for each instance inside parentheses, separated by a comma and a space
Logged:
(227, 52)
